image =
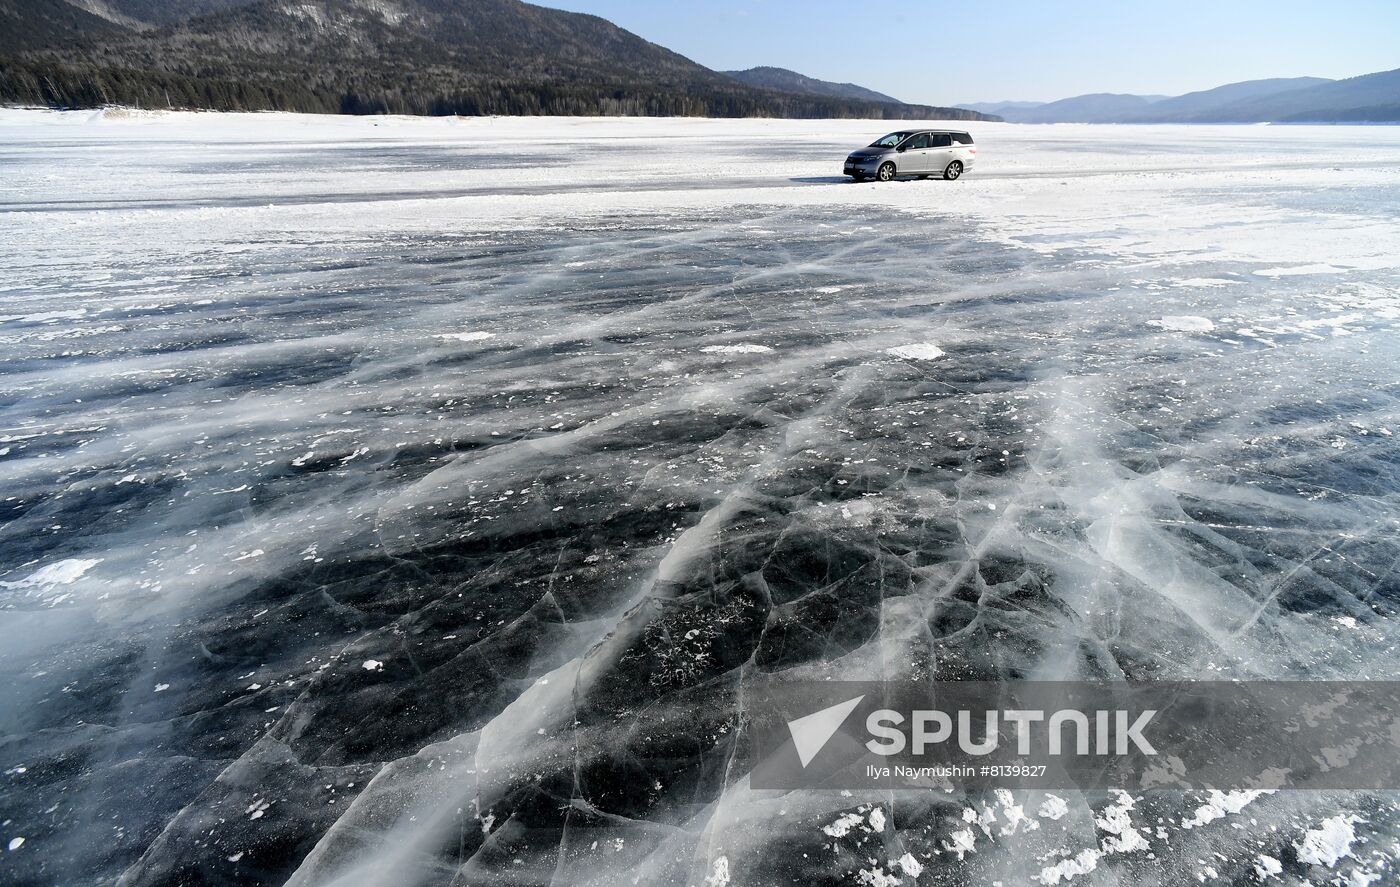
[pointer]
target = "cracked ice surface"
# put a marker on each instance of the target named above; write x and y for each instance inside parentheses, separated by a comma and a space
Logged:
(399, 502)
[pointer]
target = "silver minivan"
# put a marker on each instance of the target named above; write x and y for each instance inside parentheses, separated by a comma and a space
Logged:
(914, 152)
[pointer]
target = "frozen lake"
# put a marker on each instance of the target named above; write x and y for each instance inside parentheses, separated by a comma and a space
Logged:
(409, 501)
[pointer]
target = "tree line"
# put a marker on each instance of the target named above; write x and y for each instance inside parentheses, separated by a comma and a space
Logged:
(47, 83)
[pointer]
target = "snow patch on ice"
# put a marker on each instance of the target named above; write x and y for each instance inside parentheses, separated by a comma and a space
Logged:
(1067, 869)
(1118, 821)
(1186, 323)
(719, 873)
(1267, 867)
(877, 877)
(877, 819)
(1123, 837)
(859, 513)
(1203, 281)
(63, 572)
(1016, 818)
(1053, 807)
(962, 842)
(736, 349)
(1222, 804)
(45, 316)
(910, 866)
(917, 351)
(1329, 842)
(1295, 270)
(477, 336)
(843, 825)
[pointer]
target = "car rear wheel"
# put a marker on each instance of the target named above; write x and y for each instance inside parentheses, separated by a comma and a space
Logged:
(885, 172)
(953, 171)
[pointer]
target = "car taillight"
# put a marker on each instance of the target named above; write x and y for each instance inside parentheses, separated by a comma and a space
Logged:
(972, 150)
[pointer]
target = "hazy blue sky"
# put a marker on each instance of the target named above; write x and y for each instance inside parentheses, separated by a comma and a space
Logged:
(939, 52)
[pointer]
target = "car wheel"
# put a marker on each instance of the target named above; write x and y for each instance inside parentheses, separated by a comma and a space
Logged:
(953, 171)
(885, 172)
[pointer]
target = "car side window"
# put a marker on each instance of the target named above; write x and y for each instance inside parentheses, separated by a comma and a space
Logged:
(941, 140)
(918, 141)
(962, 138)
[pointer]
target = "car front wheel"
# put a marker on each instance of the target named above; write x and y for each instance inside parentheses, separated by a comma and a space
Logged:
(953, 171)
(885, 172)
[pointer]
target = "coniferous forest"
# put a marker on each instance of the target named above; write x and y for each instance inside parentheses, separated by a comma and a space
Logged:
(426, 57)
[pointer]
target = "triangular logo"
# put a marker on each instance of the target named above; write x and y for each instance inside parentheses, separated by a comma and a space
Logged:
(811, 733)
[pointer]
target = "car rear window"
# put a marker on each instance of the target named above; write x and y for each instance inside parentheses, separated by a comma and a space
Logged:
(962, 138)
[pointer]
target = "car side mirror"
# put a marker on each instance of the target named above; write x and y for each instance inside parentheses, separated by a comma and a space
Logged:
(901, 148)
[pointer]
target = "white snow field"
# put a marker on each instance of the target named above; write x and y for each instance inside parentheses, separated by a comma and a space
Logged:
(394, 501)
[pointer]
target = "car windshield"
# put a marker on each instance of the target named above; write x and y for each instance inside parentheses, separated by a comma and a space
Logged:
(890, 140)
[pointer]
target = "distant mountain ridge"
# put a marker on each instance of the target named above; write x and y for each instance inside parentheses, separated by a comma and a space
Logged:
(1101, 107)
(791, 81)
(999, 107)
(1184, 107)
(376, 56)
(1370, 98)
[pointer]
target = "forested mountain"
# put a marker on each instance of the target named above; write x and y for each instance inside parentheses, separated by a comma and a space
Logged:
(35, 24)
(395, 56)
(791, 81)
(155, 12)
